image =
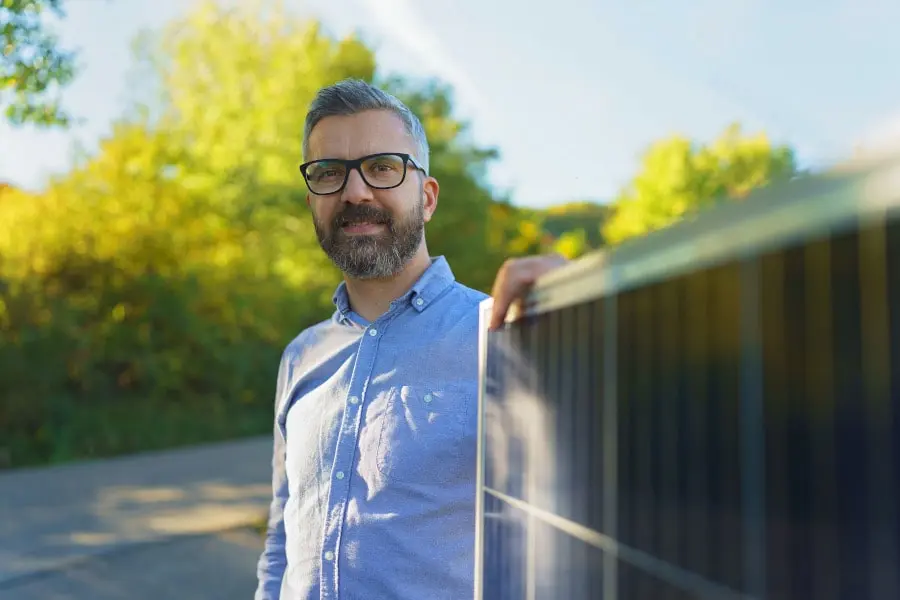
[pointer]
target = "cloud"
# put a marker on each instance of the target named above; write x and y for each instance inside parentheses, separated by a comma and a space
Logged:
(400, 21)
(882, 138)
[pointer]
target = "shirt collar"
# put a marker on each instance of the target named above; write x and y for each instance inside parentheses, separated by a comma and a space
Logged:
(433, 282)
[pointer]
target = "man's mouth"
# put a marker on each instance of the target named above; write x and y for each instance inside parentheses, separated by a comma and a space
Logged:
(362, 227)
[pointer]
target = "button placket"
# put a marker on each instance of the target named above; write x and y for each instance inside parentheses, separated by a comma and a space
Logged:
(345, 451)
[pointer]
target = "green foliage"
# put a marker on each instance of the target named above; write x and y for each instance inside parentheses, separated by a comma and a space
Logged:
(679, 177)
(32, 66)
(132, 317)
(148, 294)
(571, 229)
(571, 244)
(586, 217)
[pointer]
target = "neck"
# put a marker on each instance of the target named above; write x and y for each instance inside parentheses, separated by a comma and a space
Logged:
(371, 298)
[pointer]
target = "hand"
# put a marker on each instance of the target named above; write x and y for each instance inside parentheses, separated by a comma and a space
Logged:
(515, 278)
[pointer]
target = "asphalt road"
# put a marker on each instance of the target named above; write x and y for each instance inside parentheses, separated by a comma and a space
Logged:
(204, 567)
(175, 524)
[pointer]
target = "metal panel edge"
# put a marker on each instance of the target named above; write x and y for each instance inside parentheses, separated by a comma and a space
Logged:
(771, 217)
(484, 316)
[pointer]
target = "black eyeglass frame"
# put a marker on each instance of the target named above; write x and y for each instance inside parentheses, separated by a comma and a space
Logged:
(356, 163)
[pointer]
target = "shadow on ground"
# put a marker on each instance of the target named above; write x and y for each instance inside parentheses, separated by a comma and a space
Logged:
(64, 514)
(144, 526)
(218, 566)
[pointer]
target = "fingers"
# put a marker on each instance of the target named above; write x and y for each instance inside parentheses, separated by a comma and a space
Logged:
(508, 284)
(513, 281)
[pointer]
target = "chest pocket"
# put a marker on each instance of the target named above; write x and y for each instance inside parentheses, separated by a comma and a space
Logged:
(428, 434)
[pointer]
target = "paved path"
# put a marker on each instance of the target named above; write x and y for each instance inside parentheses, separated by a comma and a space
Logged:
(207, 567)
(136, 527)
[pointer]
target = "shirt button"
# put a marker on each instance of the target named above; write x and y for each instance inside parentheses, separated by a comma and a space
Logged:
(354, 400)
(373, 332)
(339, 474)
(329, 555)
(427, 398)
(419, 302)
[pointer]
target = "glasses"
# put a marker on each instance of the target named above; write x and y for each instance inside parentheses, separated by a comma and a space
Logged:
(381, 171)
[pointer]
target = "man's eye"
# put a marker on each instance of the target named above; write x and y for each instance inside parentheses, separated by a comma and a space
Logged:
(325, 173)
(382, 166)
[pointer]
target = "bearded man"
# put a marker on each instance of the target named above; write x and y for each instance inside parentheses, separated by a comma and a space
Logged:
(375, 408)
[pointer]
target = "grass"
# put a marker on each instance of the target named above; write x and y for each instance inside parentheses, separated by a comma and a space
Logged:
(130, 426)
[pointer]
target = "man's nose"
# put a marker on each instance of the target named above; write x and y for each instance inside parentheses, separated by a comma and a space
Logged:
(356, 190)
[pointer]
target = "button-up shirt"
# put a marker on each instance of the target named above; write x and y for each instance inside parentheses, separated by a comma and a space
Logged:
(374, 452)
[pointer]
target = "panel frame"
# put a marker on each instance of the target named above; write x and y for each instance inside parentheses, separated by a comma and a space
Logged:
(484, 319)
(855, 194)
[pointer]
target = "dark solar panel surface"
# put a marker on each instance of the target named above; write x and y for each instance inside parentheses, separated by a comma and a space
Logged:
(729, 432)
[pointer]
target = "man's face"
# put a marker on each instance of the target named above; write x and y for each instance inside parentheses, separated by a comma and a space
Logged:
(370, 233)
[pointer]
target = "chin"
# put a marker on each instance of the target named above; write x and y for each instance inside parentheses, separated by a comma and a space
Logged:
(364, 238)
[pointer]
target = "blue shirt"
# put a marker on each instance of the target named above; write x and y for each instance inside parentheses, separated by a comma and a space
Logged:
(374, 452)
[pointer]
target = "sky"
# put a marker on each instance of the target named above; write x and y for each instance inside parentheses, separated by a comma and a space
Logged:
(591, 82)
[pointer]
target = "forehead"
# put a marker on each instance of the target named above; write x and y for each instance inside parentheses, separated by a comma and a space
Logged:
(351, 136)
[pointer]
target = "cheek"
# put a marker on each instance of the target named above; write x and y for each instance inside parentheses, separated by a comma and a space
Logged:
(322, 213)
(391, 200)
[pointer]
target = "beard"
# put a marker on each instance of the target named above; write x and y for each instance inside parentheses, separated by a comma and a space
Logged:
(374, 256)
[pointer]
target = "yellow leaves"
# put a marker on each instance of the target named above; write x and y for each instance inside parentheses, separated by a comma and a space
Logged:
(198, 182)
(39, 264)
(118, 313)
(180, 258)
(629, 219)
(571, 244)
(569, 207)
(529, 230)
(679, 177)
(237, 82)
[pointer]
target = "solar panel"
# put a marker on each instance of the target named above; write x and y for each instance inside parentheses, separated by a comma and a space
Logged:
(711, 411)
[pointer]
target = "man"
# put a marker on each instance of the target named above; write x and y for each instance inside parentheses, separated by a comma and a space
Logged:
(375, 416)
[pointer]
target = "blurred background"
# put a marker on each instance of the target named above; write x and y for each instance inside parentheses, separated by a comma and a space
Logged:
(156, 250)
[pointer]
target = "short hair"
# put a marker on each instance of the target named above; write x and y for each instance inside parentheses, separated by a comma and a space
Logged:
(352, 96)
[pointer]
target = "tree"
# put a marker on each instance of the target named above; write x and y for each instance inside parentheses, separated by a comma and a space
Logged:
(33, 68)
(236, 83)
(572, 243)
(679, 177)
(156, 284)
(584, 216)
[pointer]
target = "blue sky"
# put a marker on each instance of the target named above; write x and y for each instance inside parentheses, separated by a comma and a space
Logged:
(592, 81)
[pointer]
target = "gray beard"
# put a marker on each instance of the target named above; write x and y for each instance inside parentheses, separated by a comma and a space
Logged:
(374, 256)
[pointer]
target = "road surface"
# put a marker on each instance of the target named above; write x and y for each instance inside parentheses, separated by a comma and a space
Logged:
(174, 524)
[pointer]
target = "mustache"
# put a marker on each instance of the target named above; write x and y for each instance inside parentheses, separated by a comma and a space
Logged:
(360, 213)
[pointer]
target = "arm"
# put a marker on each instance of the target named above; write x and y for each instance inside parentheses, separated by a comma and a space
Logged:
(272, 562)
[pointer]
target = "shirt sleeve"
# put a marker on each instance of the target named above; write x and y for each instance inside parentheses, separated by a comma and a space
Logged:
(273, 560)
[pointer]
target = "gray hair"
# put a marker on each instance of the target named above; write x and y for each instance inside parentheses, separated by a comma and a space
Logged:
(352, 96)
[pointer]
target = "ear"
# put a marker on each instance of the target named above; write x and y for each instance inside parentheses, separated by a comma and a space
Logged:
(430, 191)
